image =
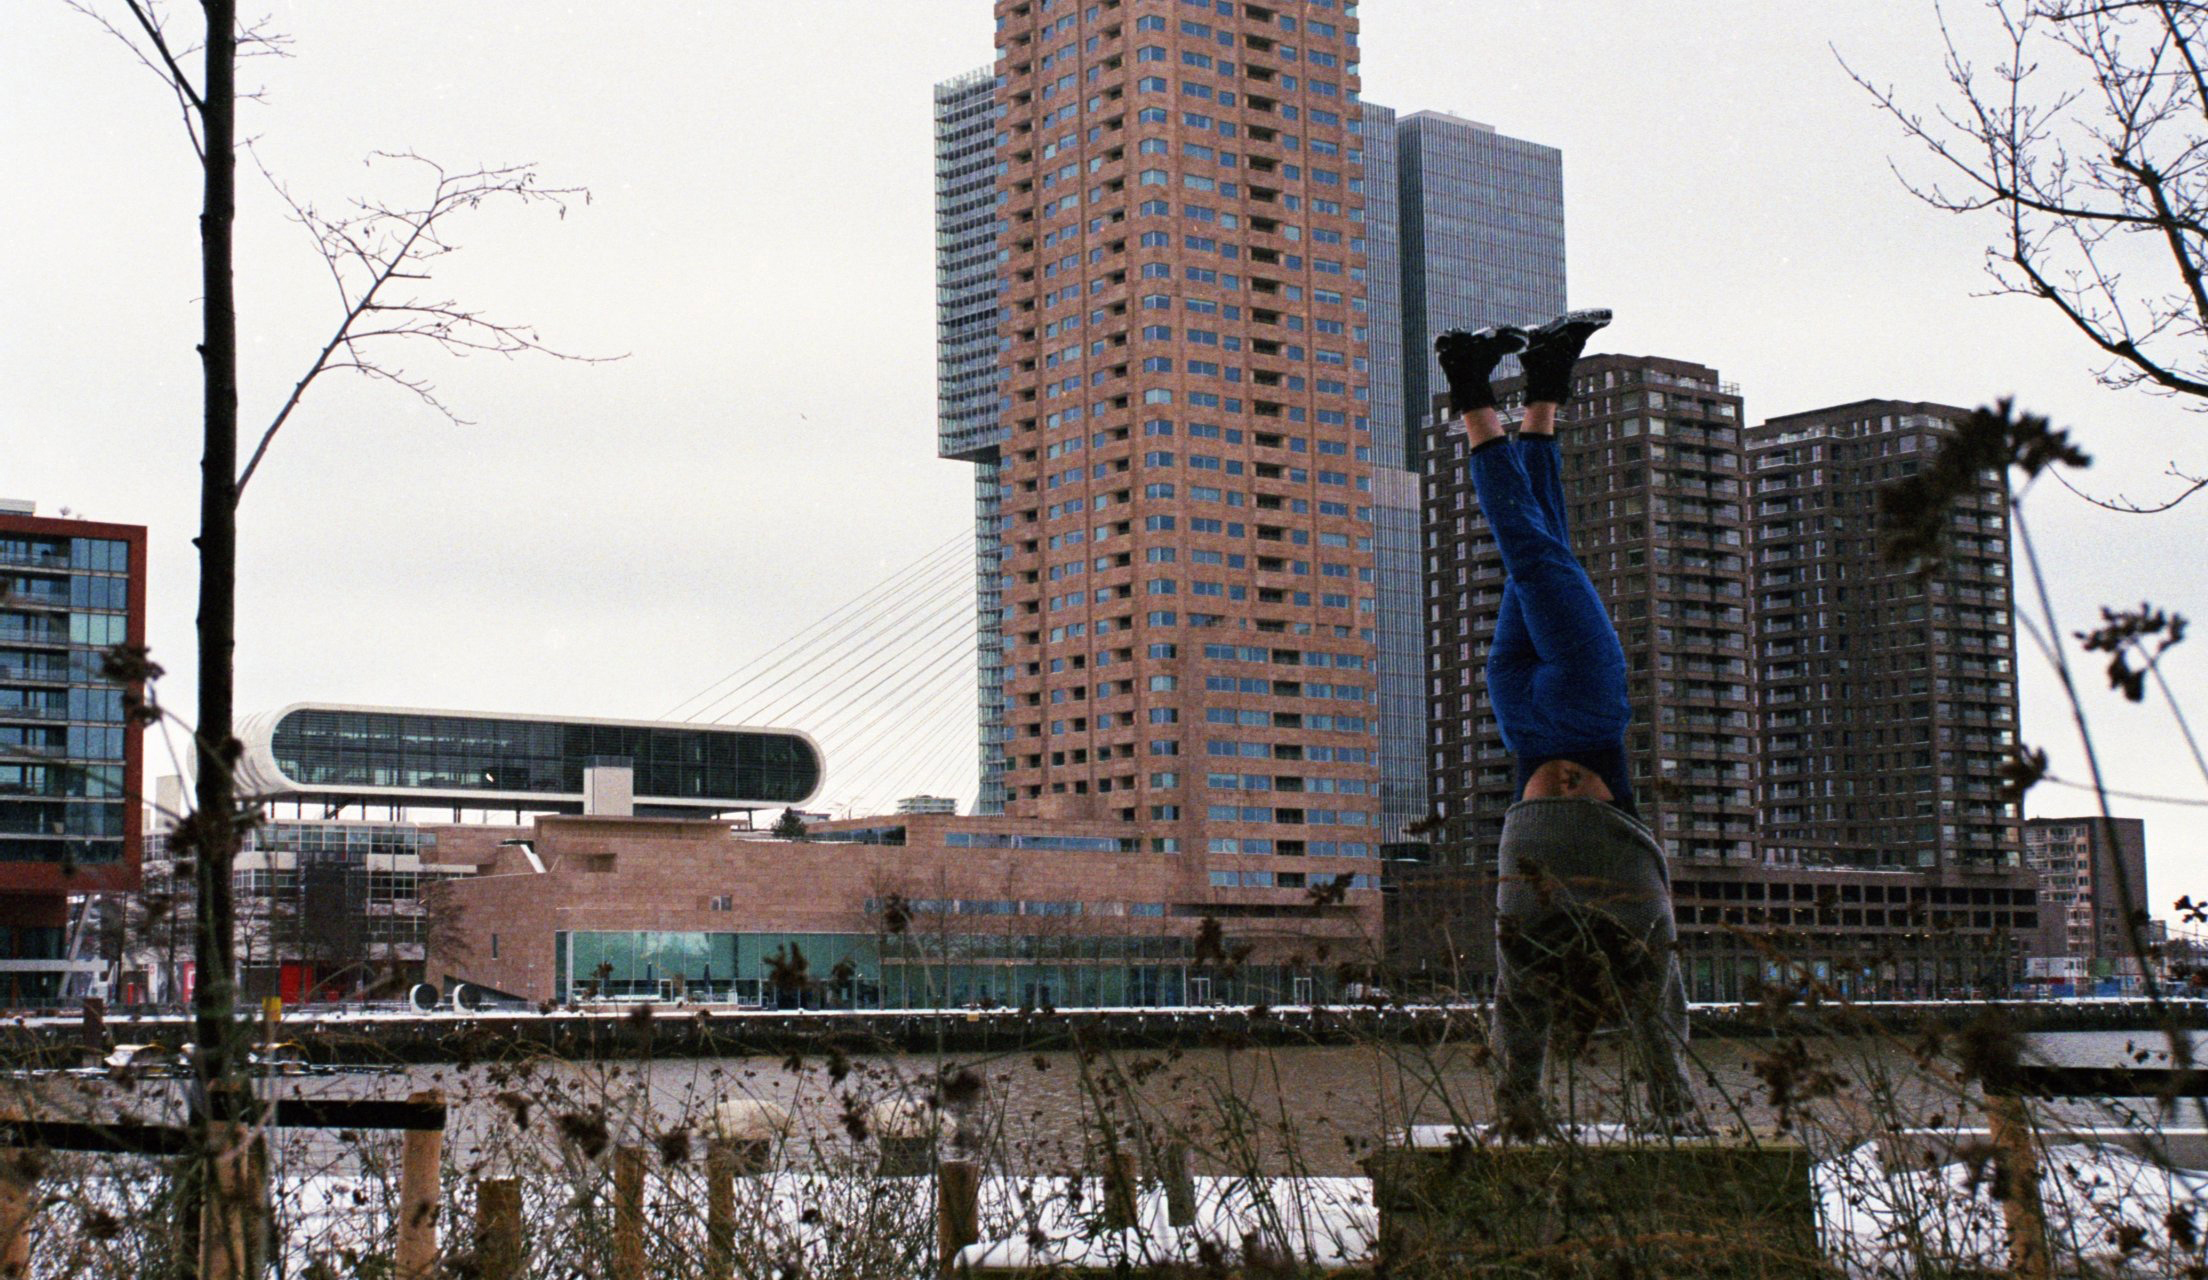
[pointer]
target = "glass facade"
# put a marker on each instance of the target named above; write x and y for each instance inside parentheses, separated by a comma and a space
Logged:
(923, 968)
(339, 751)
(969, 379)
(64, 796)
(1399, 625)
(1482, 242)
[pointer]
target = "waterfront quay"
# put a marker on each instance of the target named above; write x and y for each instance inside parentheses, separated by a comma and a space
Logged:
(615, 1032)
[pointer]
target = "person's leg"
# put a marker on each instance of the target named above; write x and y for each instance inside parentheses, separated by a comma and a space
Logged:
(1551, 352)
(1581, 684)
(1562, 612)
(1538, 453)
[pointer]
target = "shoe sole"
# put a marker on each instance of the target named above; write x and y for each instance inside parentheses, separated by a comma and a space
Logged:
(1592, 318)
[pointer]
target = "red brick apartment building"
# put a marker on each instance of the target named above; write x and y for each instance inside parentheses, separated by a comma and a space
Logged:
(1182, 456)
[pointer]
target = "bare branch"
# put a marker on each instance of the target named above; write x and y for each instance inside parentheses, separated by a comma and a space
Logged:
(2085, 133)
(168, 67)
(378, 253)
(2125, 506)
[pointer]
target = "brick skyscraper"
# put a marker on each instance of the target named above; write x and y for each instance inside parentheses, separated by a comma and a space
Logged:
(1175, 476)
(1889, 699)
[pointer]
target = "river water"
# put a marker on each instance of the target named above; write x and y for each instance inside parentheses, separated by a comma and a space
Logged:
(1310, 1109)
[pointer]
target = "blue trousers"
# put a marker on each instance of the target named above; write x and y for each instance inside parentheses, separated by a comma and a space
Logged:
(1555, 674)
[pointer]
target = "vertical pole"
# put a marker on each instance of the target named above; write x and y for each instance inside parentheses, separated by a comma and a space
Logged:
(420, 1159)
(2016, 1160)
(498, 1228)
(18, 1205)
(226, 1230)
(720, 1210)
(1180, 1186)
(1120, 1173)
(628, 1213)
(957, 1209)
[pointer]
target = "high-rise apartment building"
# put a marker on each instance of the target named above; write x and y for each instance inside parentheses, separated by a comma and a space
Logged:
(2085, 879)
(1176, 485)
(1657, 481)
(1653, 473)
(70, 763)
(1461, 226)
(1888, 696)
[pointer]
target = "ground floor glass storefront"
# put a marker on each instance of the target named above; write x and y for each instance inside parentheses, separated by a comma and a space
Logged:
(914, 971)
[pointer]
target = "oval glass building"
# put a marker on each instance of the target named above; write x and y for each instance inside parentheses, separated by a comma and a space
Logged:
(404, 756)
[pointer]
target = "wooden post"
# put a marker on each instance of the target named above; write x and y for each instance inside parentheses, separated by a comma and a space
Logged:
(1180, 1186)
(498, 1251)
(420, 1158)
(720, 1210)
(2016, 1161)
(1120, 1182)
(228, 1221)
(628, 1213)
(18, 1206)
(957, 1209)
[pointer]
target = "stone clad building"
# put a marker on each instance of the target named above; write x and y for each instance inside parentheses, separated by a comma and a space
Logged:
(915, 911)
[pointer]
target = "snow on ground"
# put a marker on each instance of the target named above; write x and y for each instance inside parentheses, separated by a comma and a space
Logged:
(2108, 1209)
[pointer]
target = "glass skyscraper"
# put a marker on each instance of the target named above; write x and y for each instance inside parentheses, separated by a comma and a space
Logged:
(969, 382)
(1467, 229)
(1482, 236)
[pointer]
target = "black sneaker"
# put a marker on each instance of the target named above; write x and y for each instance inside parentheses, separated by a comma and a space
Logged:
(1469, 359)
(1553, 349)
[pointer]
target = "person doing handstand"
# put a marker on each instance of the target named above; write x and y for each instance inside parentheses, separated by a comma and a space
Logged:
(1583, 901)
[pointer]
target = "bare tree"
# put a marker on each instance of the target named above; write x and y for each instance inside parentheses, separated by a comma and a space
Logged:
(2085, 141)
(381, 258)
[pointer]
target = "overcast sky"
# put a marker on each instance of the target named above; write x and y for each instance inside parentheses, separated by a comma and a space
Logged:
(610, 539)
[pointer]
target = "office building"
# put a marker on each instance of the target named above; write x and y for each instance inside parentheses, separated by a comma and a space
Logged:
(1888, 696)
(71, 764)
(970, 403)
(927, 804)
(1482, 242)
(1175, 490)
(332, 757)
(916, 911)
(329, 887)
(1398, 653)
(2091, 872)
